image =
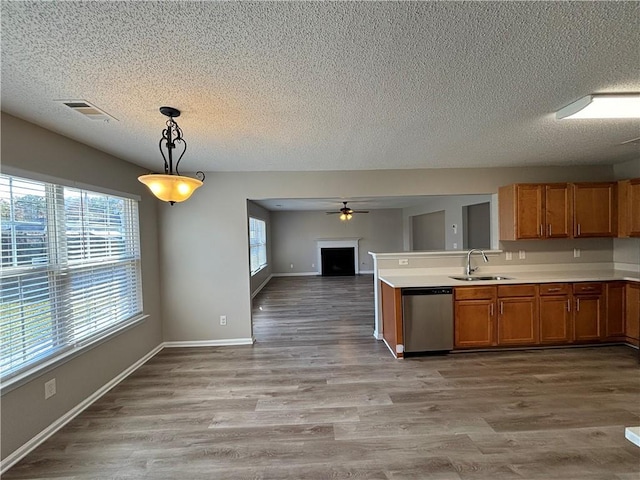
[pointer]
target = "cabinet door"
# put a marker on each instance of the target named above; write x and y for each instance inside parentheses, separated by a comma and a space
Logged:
(595, 213)
(587, 318)
(634, 207)
(558, 212)
(517, 321)
(529, 212)
(555, 319)
(632, 311)
(474, 323)
(614, 324)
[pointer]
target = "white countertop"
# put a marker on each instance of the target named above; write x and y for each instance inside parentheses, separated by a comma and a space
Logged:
(633, 435)
(408, 280)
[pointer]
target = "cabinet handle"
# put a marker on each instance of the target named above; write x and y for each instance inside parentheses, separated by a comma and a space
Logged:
(549, 230)
(577, 304)
(578, 229)
(501, 308)
(541, 234)
(568, 305)
(491, 310)
(554, 290)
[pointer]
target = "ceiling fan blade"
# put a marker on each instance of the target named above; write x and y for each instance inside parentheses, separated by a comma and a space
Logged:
(360, 211)
(332, 213)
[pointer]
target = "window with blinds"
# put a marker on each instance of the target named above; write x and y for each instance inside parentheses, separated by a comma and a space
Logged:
(70, 270)
(257, 244)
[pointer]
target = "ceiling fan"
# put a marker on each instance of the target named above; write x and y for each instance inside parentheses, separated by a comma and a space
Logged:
(346, 213)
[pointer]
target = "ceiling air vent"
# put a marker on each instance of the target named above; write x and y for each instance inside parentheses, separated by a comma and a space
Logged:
(88, 110)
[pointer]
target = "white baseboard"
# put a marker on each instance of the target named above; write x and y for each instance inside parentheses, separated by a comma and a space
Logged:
(316, 274)
(211, 343)
(262, 285)
(45, 434)
(300, 274)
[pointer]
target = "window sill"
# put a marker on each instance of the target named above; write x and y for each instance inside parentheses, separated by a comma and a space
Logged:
(259, 270)
(64, 357)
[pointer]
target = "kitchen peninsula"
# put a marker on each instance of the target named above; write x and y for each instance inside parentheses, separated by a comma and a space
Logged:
(530, 306)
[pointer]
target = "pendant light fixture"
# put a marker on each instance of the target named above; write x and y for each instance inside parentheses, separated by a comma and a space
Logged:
(171, 187)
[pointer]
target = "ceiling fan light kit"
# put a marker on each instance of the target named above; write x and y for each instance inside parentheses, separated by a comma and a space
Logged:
(171, 186)
(605, 105)
(346, 213)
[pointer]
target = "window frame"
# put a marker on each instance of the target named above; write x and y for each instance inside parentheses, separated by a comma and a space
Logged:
(260, 246)
(130, 263)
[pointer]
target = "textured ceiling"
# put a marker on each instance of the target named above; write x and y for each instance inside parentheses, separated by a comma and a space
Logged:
(328, 85)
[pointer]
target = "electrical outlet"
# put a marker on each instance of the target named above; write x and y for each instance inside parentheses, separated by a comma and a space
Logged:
(576, 253)
(521, 255)
(223, 320)
(403, 261)
(50, 388)
(313, 265)
(454, 227)
(291, 266)
(455, 246)
(508, 256)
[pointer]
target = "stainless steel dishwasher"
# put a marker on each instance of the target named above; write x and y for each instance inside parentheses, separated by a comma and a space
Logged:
(427, 318)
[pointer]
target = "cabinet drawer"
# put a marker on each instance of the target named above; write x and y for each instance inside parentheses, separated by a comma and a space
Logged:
(516, 290)
(587, 288)
(555, 288)
(474, 293)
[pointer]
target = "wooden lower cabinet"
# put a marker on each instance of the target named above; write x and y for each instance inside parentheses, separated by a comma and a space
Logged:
(588, 312)
(632, 312)
(555, 319)
(546, 314)
(474, 316)
(474, 323)
(614, 326)
(495, 316)
(517, 319)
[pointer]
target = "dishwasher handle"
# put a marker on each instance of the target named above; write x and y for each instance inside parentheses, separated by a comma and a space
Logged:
(427, 291)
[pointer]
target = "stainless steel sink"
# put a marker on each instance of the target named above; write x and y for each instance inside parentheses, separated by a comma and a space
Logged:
(481, 277)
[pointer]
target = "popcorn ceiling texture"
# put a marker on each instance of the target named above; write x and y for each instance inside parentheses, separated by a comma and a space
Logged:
(328, 85)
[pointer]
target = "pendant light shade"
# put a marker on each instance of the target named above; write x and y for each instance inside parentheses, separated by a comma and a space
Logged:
(172, 187)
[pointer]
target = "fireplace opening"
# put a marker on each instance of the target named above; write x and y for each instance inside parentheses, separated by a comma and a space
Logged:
(337, 261)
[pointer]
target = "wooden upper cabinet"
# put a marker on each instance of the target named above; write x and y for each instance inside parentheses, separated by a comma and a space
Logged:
(534, 211)
(629, 208)
(595, 209)
(558, 210)
(634, 207)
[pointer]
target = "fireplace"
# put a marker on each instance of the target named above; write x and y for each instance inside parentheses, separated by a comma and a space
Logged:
(337, 261)
(337, 256)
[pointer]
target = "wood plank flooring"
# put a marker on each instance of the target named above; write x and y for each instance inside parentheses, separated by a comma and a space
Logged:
(317, 397)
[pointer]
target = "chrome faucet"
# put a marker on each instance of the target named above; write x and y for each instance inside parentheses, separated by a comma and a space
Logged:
(470, 270)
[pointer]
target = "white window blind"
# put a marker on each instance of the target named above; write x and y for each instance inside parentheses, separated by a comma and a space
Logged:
(257, 244)
(70, 269)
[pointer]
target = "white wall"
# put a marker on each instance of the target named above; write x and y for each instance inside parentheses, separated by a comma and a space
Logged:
(204, 241)
(294, 236)
(25, 413)
(452, 206)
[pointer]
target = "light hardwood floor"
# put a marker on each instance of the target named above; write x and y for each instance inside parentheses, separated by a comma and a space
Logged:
(318, 398)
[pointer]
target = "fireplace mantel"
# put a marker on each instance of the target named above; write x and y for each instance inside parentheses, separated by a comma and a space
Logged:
(338, 243)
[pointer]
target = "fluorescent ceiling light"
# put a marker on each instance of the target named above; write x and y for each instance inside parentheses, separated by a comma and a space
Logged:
(624, 105)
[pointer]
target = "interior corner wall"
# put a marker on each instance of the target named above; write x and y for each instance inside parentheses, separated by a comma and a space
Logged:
(256, 211)
(295, 233)
(24, 412)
